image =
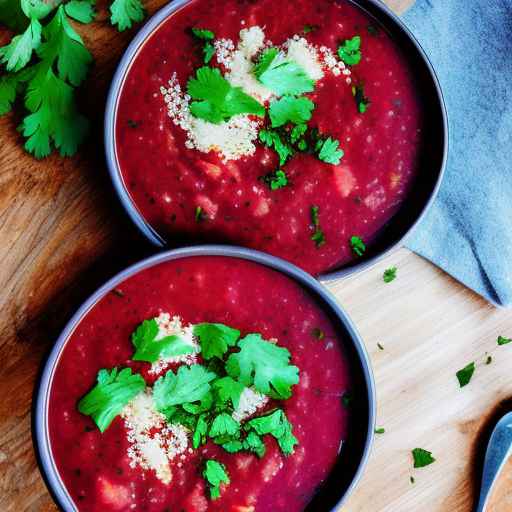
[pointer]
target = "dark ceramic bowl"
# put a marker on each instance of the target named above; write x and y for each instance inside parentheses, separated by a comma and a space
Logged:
(355, 450)
(434, 151)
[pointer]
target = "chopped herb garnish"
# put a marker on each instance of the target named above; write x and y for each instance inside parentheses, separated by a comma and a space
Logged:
(150, 348)
(373, 30)
(350, 51)
(227, 389)
(203, 34)
(207, 36)
(215, 474)
(224, 425)
(358, 246)
(504, 341)
(199, 215)
(389, 274)
(422, 458)
(189, 384)
(132, 123)
(289, 109)
(200, 430)
(113, 391)
(277, 425)
(216, 100)
(411, 479)
(347, 399)
(380, 346)
(362, 102)
(125, 12)
(215, 339)
(298, 132)
(464, 375)
(282, 76)
(276, 180)
(318, 236)
(488, 360)
(271, 138)
(380, 430)
(318, 333)
(264, 365)
(310, 28)
(328, 151)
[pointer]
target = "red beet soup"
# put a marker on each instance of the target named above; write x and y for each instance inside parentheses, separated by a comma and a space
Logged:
(343, 174)
(98, 469)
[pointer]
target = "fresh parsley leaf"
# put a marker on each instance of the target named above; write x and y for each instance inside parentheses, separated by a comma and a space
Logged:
(36, 9)
(350, 51)
(190, 384)
(329, 151)
(271, 138)
(289, 109)
(380, 430)
(9, 85)
(200, 430)
(298, 132)
(358, 246)
(112, 392)
(422, 457)
(389, 274)
(209, 52)
(224, 425)
(503, 341)
(318, 236)
(124, 13)
(464, 375)
(233, 446)
(215, 339)
(149, 348)
(282, 76)
(216, 100)
(204, 405)
(229, 389)
(265, 365)
(277, 425)
(254, 443)
(362, 102)
(18, 52)
(203, 34)
(276, 180)
(80, 10)
(215, 474)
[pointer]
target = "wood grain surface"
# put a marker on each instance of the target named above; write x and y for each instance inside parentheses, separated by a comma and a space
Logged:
(62, 234)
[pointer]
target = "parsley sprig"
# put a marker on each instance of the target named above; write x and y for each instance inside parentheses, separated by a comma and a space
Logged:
(350, 51)
(318, 236)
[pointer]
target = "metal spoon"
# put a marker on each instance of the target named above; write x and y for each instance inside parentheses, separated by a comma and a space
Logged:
(498, 452)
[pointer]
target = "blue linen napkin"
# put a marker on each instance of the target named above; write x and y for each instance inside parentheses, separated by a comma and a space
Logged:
(468, 230)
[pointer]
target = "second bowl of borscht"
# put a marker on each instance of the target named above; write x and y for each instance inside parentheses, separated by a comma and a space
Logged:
(206, 379)
(312, 130)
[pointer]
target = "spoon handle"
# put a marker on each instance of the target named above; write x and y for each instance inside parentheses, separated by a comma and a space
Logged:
(498, 451)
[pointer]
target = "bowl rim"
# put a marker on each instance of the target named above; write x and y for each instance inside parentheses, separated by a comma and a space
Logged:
(41, 436)
(110, 133)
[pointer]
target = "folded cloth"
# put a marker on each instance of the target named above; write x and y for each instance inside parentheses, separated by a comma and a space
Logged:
(468, 230)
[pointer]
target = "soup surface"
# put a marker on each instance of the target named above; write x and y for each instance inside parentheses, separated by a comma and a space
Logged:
(194, 180)
(98, 469)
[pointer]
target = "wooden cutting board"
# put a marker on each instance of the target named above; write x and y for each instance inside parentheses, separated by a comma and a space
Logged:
(62, 233)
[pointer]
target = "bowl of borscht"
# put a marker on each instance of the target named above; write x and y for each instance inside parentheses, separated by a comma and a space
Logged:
(210, 378)
(314, 131)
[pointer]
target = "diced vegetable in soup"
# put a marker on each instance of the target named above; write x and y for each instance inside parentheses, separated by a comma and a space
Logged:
(237, 117)
(184, 390)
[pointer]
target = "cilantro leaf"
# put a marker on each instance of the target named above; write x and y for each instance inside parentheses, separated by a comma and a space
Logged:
(318, 236)
(465, 375)
(265, 365)
(12, 16)
(233, 446)
(149, 348)
(282, 76)
(200, 430)
(215, 339)
(276, 180)
(215, 474)
(223, 425)
(277, 425)
(362, 101)
(350, 51)
(422, 457)
(328, 151)
(80, 10)
(66, 47)
(271, 138)
(190, 384)
(289, 109)
(216, 100)
(8, 89)
(112, 392)
(37, 9)
(389, 274)
(125, 12)
(204, 405)
(298, 132)
(254, 443)
(503, 341)
(229, 389)
(207, 36)
(358, 246)
(53, 116)
(18, 52)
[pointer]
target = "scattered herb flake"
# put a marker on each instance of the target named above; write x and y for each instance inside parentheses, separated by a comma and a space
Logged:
(215, 474)
(318, 236)
(373, 30)
(318, 333)
(488, 360)
(199, 215)
(380, 346)
(224, 425)
(272, 138)
(347, 399)
(358, 246)
(277, 425)
(207, 36)
(464, 375)
(276, 180)
(203, 34)
(309, 28)
(362, 102)
(503, 341)
(380, 430)
(350, 51)
(422, 458)
(411, 479)
(329, 151)
(389, 274)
